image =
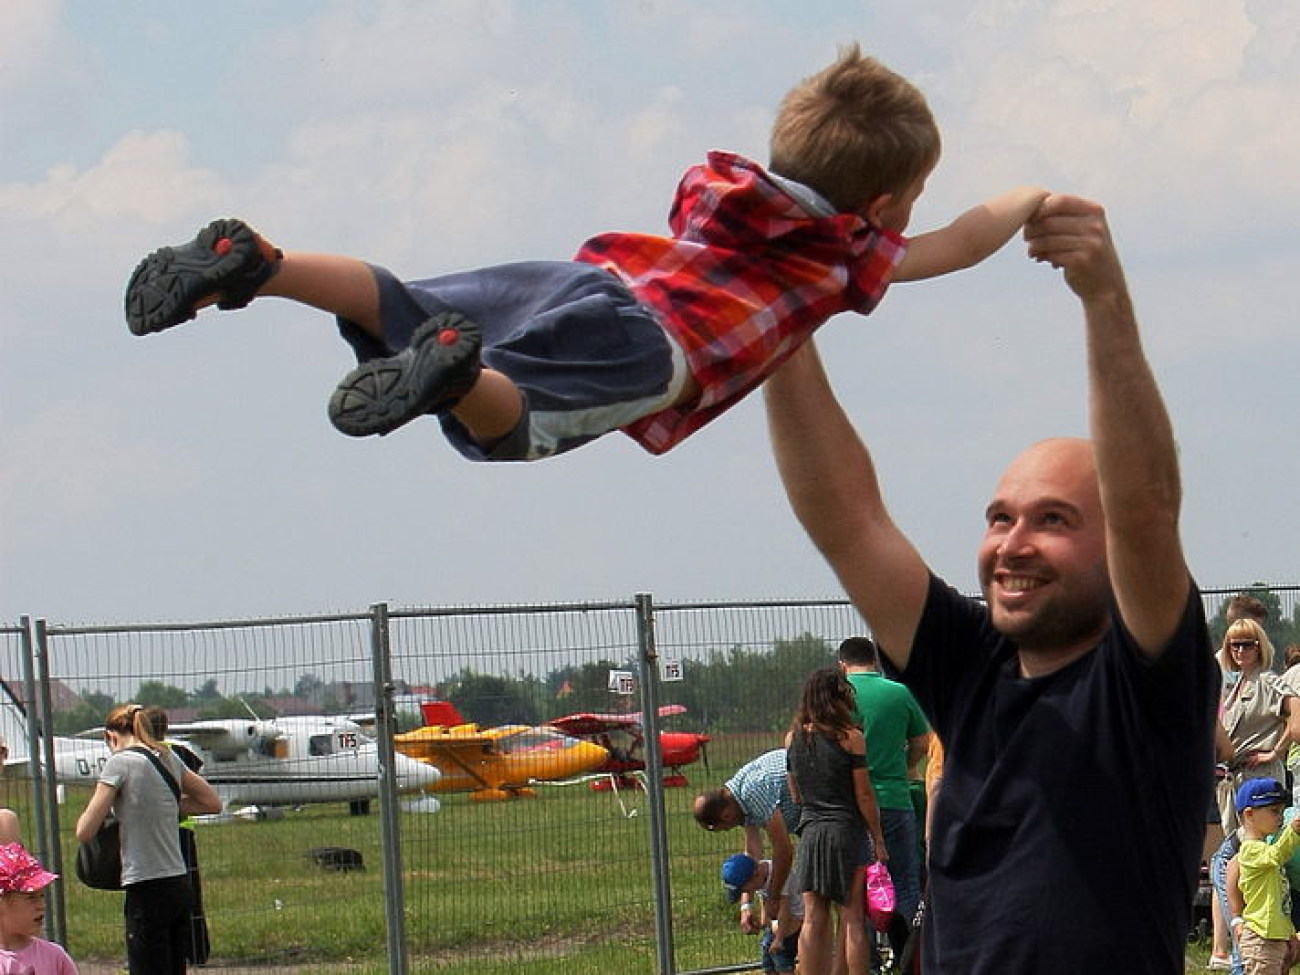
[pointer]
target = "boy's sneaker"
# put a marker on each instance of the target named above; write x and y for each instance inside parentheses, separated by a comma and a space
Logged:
(227, 260)
(439, 366)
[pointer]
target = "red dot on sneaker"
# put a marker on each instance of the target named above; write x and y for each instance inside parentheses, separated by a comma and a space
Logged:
(448, 336)
(222, 246)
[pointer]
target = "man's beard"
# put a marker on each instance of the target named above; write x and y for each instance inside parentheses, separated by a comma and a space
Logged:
(1069, 617)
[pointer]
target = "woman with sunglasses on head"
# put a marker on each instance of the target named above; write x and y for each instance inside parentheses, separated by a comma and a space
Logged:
(1260, 713)
(148, 789)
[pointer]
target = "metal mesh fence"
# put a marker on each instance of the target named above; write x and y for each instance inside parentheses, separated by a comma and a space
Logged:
(565, 878)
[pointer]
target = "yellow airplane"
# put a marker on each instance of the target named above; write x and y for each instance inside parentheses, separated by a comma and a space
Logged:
(495, 763)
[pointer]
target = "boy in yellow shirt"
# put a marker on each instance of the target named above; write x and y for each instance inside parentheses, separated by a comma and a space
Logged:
(1265, 935)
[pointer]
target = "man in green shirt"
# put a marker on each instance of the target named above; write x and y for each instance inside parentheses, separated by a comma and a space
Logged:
(898, 736)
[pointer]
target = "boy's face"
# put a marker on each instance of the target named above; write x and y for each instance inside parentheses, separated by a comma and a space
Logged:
(758, 880)
(22, 914)
(1266, 819)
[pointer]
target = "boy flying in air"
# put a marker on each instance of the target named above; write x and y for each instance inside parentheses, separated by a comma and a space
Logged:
(652, 335)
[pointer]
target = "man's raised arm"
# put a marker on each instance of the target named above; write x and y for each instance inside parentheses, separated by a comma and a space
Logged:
(1137, 463)
(831, 484)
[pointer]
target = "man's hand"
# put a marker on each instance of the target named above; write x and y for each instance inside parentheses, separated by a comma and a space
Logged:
(1071, 233)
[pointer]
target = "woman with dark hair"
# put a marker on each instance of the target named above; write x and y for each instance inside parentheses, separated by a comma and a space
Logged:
(840, 829)
(138, 785)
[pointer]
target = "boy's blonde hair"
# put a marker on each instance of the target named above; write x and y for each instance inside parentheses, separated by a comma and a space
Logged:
(854, 131)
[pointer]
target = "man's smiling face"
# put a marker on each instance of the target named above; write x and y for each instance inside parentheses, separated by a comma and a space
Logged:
(1042, 563)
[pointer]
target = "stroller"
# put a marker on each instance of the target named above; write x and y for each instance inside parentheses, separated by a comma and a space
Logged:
(1201, 919)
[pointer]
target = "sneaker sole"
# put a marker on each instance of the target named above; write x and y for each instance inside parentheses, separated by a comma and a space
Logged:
(438, 367)
(167, 285)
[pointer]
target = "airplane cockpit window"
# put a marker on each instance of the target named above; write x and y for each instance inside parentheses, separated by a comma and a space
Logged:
(320, 745)
(265, 745)
(531, 741)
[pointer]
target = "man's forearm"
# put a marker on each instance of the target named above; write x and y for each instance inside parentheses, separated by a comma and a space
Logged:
(1136, 460)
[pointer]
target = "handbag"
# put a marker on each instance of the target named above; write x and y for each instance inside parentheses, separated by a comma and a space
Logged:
(880, 896)
(99, 860)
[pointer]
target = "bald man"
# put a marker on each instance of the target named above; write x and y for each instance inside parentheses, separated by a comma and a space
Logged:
(1076, 700)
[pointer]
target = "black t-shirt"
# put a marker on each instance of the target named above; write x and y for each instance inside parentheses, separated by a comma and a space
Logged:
(1070, 821)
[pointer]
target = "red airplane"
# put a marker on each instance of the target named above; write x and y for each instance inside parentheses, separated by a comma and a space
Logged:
(623, 736)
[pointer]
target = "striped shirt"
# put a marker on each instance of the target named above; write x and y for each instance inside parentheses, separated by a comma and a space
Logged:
(747, 276)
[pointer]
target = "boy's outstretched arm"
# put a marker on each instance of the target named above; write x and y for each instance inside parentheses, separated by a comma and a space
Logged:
(977, 234)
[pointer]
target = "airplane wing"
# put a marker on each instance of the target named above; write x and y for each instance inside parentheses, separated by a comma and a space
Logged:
(225, 736)
(460, 748)
(586, 724)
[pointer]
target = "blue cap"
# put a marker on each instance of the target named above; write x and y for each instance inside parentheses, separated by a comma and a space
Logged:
(1254, 793)
(736, 871)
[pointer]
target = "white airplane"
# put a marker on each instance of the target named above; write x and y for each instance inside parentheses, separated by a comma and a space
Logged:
(260, 764)
(291, 761)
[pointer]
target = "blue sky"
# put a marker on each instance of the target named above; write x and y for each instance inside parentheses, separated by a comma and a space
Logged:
(194, 474)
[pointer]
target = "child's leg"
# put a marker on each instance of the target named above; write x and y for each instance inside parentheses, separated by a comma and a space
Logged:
(439, 370)
(343, 286)
(228, 264)
(491, 409)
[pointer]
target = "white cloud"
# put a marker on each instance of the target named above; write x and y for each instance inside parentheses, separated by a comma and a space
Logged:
(431, 137)
(29, 42)
(145, 176)
(1177, 108)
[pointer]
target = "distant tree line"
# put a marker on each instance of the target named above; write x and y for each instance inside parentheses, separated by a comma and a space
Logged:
(737, 689)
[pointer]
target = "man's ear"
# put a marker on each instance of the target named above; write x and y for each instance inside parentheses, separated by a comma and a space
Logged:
(873, 210)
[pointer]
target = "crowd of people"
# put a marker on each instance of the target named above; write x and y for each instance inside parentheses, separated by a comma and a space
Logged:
(1257, 749)
(147, 787)
(1251, 854)
(842, 782)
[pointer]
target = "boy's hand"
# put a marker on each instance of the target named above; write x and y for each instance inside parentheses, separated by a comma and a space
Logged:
(1071, 234)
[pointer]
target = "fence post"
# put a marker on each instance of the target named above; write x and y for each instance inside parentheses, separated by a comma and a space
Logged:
(390, 827)
(654, 785)
(40, 723)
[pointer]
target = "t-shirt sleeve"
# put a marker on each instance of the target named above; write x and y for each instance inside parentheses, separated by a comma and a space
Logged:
(115, 770)
(954, 638)
(1182, 677)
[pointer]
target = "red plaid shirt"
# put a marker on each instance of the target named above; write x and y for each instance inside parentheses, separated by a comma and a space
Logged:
(748, 275)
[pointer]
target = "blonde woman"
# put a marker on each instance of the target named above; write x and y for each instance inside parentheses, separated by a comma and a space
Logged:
(1260, 714)
(154, 875)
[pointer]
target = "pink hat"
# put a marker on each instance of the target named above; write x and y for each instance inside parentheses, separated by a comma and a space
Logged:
(20, 872)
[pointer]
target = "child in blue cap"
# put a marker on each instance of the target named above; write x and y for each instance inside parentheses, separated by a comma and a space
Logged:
(1266, 938)
(744, 877)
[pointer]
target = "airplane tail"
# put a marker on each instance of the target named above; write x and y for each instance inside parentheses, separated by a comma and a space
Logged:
(441, 713)
(13, 723)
